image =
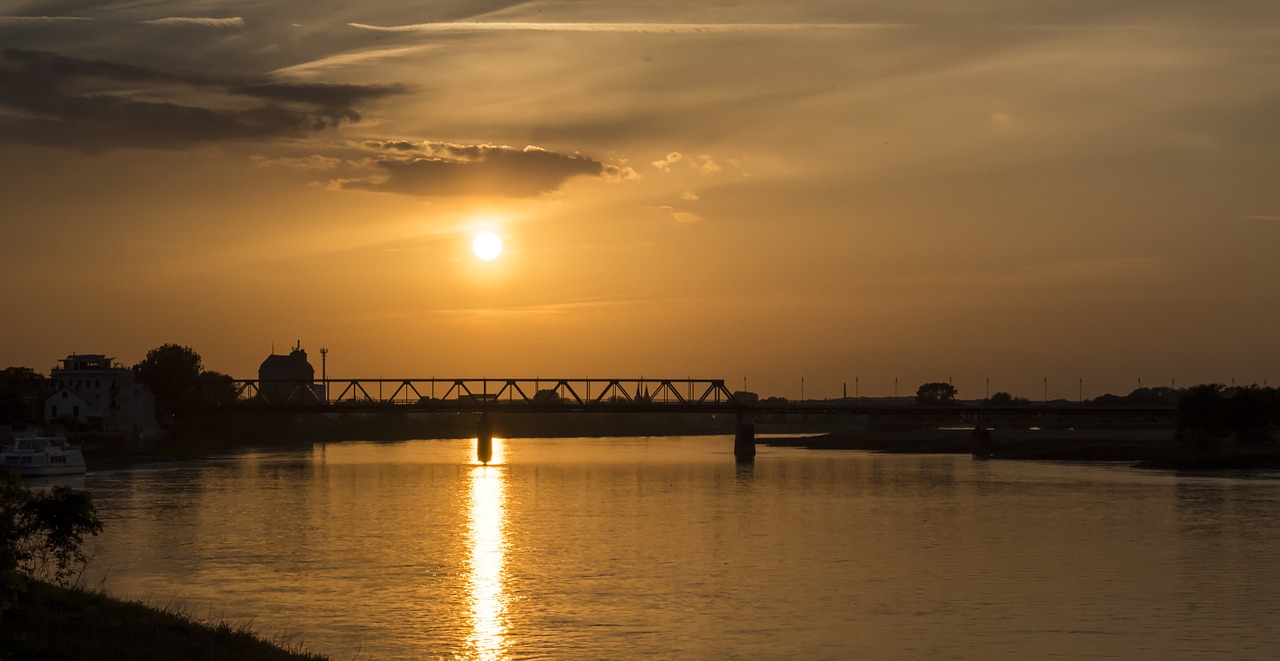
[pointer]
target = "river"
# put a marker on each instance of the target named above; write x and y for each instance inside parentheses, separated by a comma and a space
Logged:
(665, 548)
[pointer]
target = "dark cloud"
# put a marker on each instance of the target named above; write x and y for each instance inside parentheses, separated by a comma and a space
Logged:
(437, 169)
(96, 105)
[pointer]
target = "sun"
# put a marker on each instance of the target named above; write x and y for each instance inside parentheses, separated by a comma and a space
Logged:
(487, 246)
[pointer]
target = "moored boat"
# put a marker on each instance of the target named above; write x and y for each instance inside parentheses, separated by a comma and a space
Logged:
(38, 456)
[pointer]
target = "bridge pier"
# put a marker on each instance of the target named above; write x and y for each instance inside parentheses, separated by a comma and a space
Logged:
(744, 437)
(484, 439)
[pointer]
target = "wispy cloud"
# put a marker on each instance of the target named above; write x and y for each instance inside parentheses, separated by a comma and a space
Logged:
(636, 28)
(19, 20)
(183, 21)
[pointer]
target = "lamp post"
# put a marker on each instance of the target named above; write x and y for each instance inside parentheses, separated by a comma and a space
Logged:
(324, 372)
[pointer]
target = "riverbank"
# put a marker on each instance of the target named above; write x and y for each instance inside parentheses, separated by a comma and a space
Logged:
(1143, 448)
(50, 622)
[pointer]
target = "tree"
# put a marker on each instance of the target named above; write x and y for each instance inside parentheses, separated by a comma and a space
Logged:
(1005, 399)
(41, 534)
(172, 372)
(216, 387)
(22, 390)
(1202, 414)
(1252, 414)
(936, 393)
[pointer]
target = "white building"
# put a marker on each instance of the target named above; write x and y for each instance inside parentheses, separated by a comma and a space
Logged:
(102, 395)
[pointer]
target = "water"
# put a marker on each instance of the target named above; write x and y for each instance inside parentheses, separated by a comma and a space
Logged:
(664, 548)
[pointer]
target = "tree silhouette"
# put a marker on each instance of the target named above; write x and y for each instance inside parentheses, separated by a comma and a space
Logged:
(1202, 414)
(936, 393)
(172, 372)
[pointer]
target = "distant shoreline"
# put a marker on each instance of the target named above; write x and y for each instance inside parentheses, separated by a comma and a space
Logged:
(1145, 448)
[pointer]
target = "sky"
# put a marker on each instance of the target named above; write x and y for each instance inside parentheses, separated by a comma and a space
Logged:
(1067, 197)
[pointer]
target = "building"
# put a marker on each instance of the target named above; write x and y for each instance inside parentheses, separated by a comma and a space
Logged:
(102, 396)
(289, 379)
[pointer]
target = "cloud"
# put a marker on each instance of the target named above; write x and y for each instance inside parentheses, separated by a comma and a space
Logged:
(313, 162)
(449, 169)
(665, 164)
(678, 215)
(183, 21)
(20, 20)
(96, 105)
(633, 28)
(706, 166)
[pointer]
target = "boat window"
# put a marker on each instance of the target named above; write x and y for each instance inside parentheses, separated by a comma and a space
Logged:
(57, 459)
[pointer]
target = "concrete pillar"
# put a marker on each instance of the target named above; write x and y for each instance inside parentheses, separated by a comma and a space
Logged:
(484, 439)
(980, 442)
(744, 437)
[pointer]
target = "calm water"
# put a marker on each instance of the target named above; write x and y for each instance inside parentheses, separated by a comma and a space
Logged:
(663, 548)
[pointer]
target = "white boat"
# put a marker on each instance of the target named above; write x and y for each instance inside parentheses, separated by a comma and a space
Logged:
(42, 455)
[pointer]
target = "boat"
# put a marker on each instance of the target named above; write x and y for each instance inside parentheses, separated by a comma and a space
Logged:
(38, 456)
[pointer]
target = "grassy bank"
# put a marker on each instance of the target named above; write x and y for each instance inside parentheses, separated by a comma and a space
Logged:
(1142, 448)
(54, 623)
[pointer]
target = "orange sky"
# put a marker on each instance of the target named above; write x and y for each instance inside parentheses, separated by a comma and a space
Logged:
(821, 190)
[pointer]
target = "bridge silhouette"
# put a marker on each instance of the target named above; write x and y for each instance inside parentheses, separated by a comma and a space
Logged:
(485, 395)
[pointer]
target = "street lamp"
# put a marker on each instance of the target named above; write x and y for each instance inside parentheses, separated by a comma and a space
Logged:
(324, 372)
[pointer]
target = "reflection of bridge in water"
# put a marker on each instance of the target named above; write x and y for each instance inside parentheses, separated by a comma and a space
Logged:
(640, 395)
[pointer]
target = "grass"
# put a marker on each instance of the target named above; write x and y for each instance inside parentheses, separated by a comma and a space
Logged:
(54, 623)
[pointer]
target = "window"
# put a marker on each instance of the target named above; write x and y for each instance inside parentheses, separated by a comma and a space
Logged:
(53, 410)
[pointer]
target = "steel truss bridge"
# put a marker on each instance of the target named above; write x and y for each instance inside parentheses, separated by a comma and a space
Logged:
(483, 394)
(642, 395)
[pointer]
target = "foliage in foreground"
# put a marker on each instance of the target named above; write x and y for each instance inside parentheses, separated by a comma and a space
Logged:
(41, 534)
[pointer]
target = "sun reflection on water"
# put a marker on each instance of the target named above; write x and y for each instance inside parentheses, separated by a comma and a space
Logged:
(485, 580)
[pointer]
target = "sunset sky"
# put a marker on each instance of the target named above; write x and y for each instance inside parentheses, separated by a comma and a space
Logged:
(823, 190)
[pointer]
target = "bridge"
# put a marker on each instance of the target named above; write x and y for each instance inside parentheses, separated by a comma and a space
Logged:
(484, 395)
(481, 393)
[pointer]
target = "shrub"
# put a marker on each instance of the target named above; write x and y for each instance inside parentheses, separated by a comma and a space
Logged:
(41, 534)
